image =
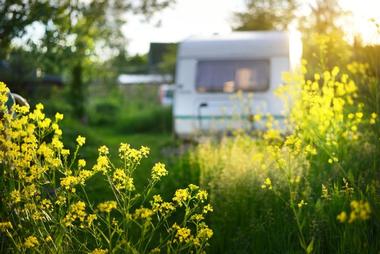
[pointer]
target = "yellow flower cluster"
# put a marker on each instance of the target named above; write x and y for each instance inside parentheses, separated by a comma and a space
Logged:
(204, 233)
(126, 152)
(31, 242)
(102, 164)
(99, 251)
(360, 210)
(107, 206)
(183, 234)
(103, 150)
(158, 171)
(267, 184)
(201, 195)
(15, 196)
(143, 213)
(122, 181)
(77, 211)
(40, 180)
(164, 208)
(181, 196)
(301, 204)
(70, 181)
(5, 226)
(81, 140)
(357, 67)
(319, 109)
(158, 205)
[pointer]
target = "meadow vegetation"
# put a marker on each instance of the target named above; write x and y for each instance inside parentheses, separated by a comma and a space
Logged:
(46, 206)
(313, 188)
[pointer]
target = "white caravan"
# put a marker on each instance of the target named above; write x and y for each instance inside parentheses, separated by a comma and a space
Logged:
(211, 69)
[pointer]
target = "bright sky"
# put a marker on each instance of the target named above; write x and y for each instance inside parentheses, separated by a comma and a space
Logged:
(190, 17)
(185, 18)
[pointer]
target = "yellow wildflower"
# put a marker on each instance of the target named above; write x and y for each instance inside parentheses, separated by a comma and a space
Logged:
(77, 211)
(267, 184)
(81, 140)
(181, 196)
(15, 196)
(158, 171)
(144, 151)
(182, 234)
(360, 210)
(5, 226)
(201, 195)
(207, 208)
(81, 163)
(143, 213)
(69, 182)
(102, 164)
(107, 206)
(342, 217)
(46, 204)
(91, 218)
(301, 204)
(31, 242)
(103, 150)
(122, 181)
(205, 233)
(58, 116)
(99, 251)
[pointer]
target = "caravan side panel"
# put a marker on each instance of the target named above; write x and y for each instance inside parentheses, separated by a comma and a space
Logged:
(183, 110)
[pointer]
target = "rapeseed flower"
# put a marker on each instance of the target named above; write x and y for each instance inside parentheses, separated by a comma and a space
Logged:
(81, 140)
(342, 217)
(5, 226)
(107, 206)
(77, 211)
(267, 184)
(182, 234)
(122, 181)
(181, 196)
(143, 213)
(99, 251)
(158, 171)
(31, 242)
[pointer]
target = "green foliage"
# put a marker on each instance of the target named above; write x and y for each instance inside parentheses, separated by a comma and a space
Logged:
(130, 110)
(266, 15)
(74, 31)
(324, 45)
(313, 191)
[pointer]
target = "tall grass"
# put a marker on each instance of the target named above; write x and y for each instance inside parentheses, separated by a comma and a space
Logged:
(315, 190)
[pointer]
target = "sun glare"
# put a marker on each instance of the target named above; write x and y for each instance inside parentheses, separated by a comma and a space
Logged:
(365, 20)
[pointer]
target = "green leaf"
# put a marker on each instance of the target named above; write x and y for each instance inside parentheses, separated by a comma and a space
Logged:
(310, 247)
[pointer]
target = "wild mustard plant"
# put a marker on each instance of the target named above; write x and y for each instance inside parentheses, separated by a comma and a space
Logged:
(308, 190)
(45, 207)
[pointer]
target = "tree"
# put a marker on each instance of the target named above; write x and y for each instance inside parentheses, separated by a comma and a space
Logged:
(266, 15)
(15, 16)
(324, 43)
(74, 32)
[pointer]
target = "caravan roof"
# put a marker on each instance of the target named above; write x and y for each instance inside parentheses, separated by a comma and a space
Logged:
(261, 44)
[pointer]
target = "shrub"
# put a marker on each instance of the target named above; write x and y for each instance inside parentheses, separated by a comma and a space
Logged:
(45, 206)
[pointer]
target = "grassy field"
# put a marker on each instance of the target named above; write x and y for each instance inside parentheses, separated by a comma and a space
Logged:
(314, 190)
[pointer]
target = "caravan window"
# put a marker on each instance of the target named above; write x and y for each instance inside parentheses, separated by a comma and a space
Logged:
(232, 75)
